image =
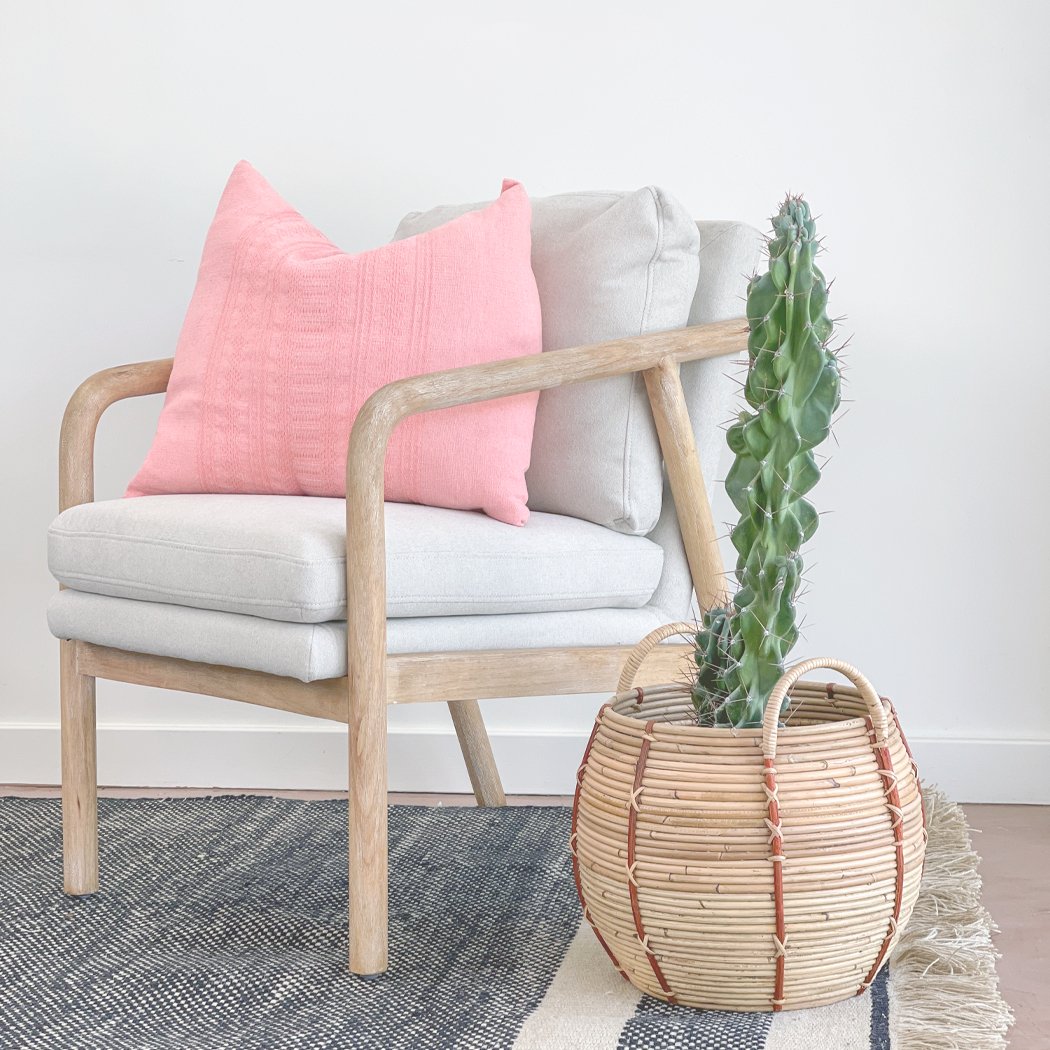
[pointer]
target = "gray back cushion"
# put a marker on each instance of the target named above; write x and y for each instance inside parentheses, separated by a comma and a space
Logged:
(608, 266)
(729, 253)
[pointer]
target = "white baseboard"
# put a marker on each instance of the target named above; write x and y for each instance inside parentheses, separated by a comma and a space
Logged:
(530, 762)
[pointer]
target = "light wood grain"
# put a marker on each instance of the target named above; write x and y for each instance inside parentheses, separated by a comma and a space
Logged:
(322, 699)
(373, 678)
(686, 479)
(76, 477)
(366, 562)
(489, 674)
(521, 375)
(477, 752)
(366, 673)
(411, 677)
(79, 777)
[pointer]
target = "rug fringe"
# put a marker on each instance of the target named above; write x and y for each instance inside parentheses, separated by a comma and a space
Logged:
(943, 969)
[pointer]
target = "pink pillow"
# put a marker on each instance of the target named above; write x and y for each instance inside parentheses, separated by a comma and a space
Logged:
(286, 336)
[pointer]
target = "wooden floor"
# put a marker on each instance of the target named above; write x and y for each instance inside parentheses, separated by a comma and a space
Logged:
(1013, 842)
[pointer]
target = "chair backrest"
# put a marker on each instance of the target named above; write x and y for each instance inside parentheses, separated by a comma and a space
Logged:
(611, 265)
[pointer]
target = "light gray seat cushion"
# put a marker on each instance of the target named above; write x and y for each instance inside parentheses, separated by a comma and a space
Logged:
(310, 651)
(282, 558)
(607, 265)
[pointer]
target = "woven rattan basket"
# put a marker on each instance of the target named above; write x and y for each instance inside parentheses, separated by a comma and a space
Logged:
(748, 869)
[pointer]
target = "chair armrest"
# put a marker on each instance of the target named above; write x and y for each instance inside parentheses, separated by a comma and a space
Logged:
(657, 355)
(76, 447)
(519, 375)
(392, 403)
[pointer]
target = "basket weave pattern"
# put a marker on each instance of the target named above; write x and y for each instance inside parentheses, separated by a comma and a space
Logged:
(753, 869)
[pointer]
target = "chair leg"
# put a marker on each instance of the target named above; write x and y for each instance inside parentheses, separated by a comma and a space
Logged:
(477, 752)
(79, 780)
(368, 829)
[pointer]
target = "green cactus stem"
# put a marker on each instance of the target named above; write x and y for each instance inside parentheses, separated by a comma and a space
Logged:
(792, 391)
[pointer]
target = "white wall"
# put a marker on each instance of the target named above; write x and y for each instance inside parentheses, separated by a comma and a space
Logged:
(918, 131)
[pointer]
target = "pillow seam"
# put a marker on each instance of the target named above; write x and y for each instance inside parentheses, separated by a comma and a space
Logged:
(635, 378)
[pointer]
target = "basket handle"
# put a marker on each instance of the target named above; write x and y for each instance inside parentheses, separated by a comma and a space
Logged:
(647, 645)
(797, 671)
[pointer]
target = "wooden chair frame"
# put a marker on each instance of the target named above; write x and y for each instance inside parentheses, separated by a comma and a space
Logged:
(375, 678)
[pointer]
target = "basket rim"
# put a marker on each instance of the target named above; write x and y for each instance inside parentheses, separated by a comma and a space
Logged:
(632, 720)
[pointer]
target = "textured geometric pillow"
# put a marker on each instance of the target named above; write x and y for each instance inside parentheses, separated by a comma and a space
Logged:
(286, 336)
(607, 265)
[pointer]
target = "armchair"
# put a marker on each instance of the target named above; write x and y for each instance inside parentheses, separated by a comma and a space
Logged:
(169, 639)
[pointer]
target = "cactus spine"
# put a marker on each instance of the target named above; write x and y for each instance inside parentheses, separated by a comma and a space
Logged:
(792, 390)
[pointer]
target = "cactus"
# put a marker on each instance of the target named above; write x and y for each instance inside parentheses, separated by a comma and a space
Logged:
(792, 389)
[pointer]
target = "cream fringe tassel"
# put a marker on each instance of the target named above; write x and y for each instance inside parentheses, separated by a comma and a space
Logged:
(943, 968)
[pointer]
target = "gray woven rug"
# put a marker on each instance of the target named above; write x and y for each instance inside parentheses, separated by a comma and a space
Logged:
(222, 923)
